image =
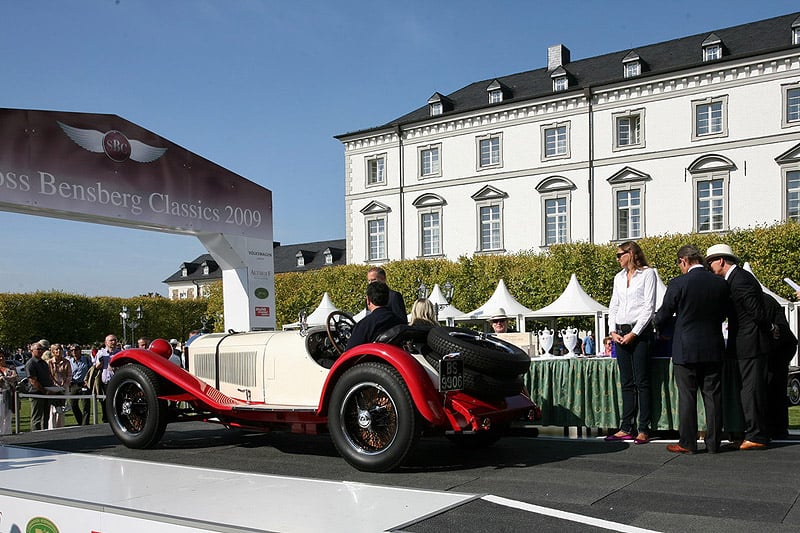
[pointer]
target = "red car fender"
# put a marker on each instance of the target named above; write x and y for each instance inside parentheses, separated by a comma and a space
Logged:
(177, 375)
(425, 396)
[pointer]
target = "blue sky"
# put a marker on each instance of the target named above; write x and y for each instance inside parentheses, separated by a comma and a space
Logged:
(261, 87)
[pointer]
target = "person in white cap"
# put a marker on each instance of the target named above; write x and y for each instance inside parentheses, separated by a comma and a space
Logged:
(750, 333)
(177, 355)
(499, 321)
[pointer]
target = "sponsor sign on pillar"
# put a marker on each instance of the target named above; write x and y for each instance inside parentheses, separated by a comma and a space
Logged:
(261, 285)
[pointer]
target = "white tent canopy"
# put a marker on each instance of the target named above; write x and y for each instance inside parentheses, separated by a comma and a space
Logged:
(781, 300)
(319, 316)
(445, 311)
(501, 299)
(574, 301)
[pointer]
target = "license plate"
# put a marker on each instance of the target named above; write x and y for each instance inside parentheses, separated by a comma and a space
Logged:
(451, 372)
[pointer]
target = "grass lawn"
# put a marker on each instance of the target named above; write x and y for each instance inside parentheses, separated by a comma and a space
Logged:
(25, 416)
(794, 417)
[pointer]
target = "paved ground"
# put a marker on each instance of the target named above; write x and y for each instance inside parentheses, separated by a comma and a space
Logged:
(549, 483)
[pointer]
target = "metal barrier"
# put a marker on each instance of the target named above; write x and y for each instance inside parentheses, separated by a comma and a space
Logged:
(19, 395)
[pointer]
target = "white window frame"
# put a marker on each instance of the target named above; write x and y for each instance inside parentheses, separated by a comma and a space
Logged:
(437, 109)
(380, 177)
(618, 119)
(796, 35)
(493, 162)
(628, 188)
(700, 179)
(491, 246)
(562, 231)
(328, 257)
(422, 151)
(381, 255)
(790, 196)
(545, 129)
(422, 214)
(560, 83)
(631, 69)
(791, 102)
(495, 96)
(700, 106)
(301, 261)
(712, 52)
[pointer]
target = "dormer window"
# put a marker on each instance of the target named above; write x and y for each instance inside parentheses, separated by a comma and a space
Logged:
(560, 80)
(328, 256)
(712, 48)
(495, 96)
(184, 271)
(497, 92)
(301, 261)
(436, 109)
(796, 31)
(438, 104)
(205, 270)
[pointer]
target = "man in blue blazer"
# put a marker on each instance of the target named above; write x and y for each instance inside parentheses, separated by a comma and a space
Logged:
(700, 302)
(750, 338)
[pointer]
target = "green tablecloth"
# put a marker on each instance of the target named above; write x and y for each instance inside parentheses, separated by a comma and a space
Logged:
(586, 393)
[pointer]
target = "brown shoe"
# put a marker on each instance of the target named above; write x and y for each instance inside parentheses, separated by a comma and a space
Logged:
(750, 445)
(677, 448)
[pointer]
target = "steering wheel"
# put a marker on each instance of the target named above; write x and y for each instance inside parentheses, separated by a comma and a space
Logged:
(339, 326)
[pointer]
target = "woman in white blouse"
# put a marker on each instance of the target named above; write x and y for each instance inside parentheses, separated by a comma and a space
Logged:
(630, 317)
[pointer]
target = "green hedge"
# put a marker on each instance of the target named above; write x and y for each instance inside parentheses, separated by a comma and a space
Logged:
(535, 279)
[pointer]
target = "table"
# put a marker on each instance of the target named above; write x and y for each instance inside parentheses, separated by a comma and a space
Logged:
(585, 392)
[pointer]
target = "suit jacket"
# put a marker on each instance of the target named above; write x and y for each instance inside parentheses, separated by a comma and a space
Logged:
(701, 301)
(785, 346)
(749, 326)
(397, 304)
(369, 327)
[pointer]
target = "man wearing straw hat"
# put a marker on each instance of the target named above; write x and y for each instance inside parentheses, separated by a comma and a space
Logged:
(750, 333)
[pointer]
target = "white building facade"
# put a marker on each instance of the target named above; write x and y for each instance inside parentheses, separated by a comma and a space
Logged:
(697, 134)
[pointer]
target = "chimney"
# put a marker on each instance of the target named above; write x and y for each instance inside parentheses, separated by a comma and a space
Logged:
(557, 56)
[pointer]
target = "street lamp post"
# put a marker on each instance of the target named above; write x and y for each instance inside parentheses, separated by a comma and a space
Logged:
(448, 294)
(124, 316)
(133, 324)
(422, 290)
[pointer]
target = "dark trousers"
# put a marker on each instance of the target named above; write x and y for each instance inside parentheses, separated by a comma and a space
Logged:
(40, 413)
(634, 375)
(753, 395)
(708, 378)
(80, 407)
(777, 400)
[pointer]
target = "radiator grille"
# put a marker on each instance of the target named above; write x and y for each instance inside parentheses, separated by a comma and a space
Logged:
(237, 368)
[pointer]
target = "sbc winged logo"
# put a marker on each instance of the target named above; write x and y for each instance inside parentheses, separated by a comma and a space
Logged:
(114, 144)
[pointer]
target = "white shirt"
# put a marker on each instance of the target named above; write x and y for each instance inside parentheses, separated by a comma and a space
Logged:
(634, 304)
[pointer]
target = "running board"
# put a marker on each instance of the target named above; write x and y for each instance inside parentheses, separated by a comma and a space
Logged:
(273, 407)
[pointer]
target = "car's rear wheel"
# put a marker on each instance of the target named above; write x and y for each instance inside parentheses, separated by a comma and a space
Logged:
(136, 415)
(371, 418)
(794, 391)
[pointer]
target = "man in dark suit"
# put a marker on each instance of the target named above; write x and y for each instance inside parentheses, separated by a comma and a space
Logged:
(750, 337)
(396, 302)
(701, 302)
(783, 349)
(379, 319)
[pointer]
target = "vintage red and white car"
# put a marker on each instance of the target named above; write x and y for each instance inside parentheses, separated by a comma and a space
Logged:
(375, 400)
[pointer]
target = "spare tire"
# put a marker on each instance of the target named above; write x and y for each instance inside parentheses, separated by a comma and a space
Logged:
(485, 353)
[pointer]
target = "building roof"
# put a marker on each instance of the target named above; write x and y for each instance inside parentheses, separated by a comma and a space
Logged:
(194, 271)
(746, 40)
(313, 253)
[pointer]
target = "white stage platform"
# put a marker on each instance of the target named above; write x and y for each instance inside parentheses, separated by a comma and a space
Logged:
(78, 492)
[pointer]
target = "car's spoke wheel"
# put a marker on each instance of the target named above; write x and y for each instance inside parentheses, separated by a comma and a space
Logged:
(136, 415)
(794, 391)
(371, 417)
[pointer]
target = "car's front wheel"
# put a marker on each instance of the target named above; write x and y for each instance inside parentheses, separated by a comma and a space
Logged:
(794, 391)
(371, 418)
(137, 416)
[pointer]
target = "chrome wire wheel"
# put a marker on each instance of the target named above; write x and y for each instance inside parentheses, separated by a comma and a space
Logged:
(130, 406)
(368, 418)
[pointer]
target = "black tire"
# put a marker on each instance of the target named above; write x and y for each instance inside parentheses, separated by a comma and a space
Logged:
(136, 415)
(372, 418)
(482, 385)
(794, 391)
(485, 353)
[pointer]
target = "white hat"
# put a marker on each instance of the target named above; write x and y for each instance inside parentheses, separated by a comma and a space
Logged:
(721, 250)
(173, 342)
(500, 314)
